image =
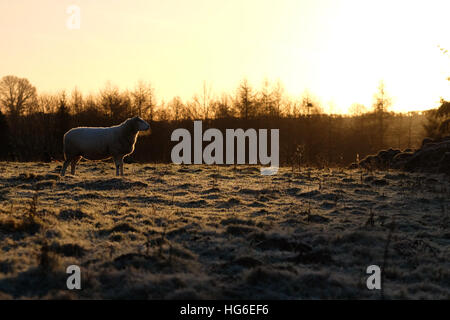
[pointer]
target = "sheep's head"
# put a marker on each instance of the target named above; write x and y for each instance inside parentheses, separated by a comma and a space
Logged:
(141, 124)
(137, 124)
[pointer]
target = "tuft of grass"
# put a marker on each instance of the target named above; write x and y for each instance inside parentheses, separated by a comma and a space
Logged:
(47, 260)
(32, 211)
(30, 223)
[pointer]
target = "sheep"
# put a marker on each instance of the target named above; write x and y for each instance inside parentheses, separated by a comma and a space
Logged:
(99, 143)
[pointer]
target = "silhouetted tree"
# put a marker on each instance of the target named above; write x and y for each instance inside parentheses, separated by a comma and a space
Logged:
(115, 104)
(62, 115)
(382, 103)
(265, 100)
(17, 95)
(309, 105)
(438, 121)
(177, 109)
(143, 100)
(292, 108)
(47, 103)
(222, 108)
(163, 113)
(245, 104)
(269, 100)
(202, 104)
(76, 102)
(357, 109)
(443, 113)
(277, 99)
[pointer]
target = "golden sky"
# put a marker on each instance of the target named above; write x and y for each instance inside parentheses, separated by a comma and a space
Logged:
(338, 50)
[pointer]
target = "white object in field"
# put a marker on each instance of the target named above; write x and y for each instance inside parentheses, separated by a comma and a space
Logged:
(269, 171)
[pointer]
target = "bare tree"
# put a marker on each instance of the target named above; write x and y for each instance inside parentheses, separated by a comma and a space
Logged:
(144, 102)
(163, 112)
(115, 104)
(438, 121)
(63, 113)
(265, 99)
(357, 109)
(382, 103)
(278, 98)
(176, 108)
(291, 108)
(47, 103)
(76, 103)
(200, 106)
(222, 108)
(245, 103)
(309, 104)
(17, 95)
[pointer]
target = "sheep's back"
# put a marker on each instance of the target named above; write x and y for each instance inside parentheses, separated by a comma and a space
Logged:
(91, 143)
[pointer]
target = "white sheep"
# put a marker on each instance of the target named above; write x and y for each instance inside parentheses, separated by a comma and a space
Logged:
(94, 143)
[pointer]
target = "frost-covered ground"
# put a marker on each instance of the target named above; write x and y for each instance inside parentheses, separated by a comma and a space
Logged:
(172, 232)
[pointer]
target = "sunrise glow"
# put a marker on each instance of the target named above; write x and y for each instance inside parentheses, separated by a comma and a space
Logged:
(338, 50)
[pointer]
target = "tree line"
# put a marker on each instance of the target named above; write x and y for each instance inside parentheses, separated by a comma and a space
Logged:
(32, 125)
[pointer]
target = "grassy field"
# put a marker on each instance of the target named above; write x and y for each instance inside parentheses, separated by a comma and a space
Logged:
(173, 232)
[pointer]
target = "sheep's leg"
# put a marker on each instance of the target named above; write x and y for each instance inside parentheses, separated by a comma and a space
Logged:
(121, 167)
(73, 164)
(64, 167)
(118, 162)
